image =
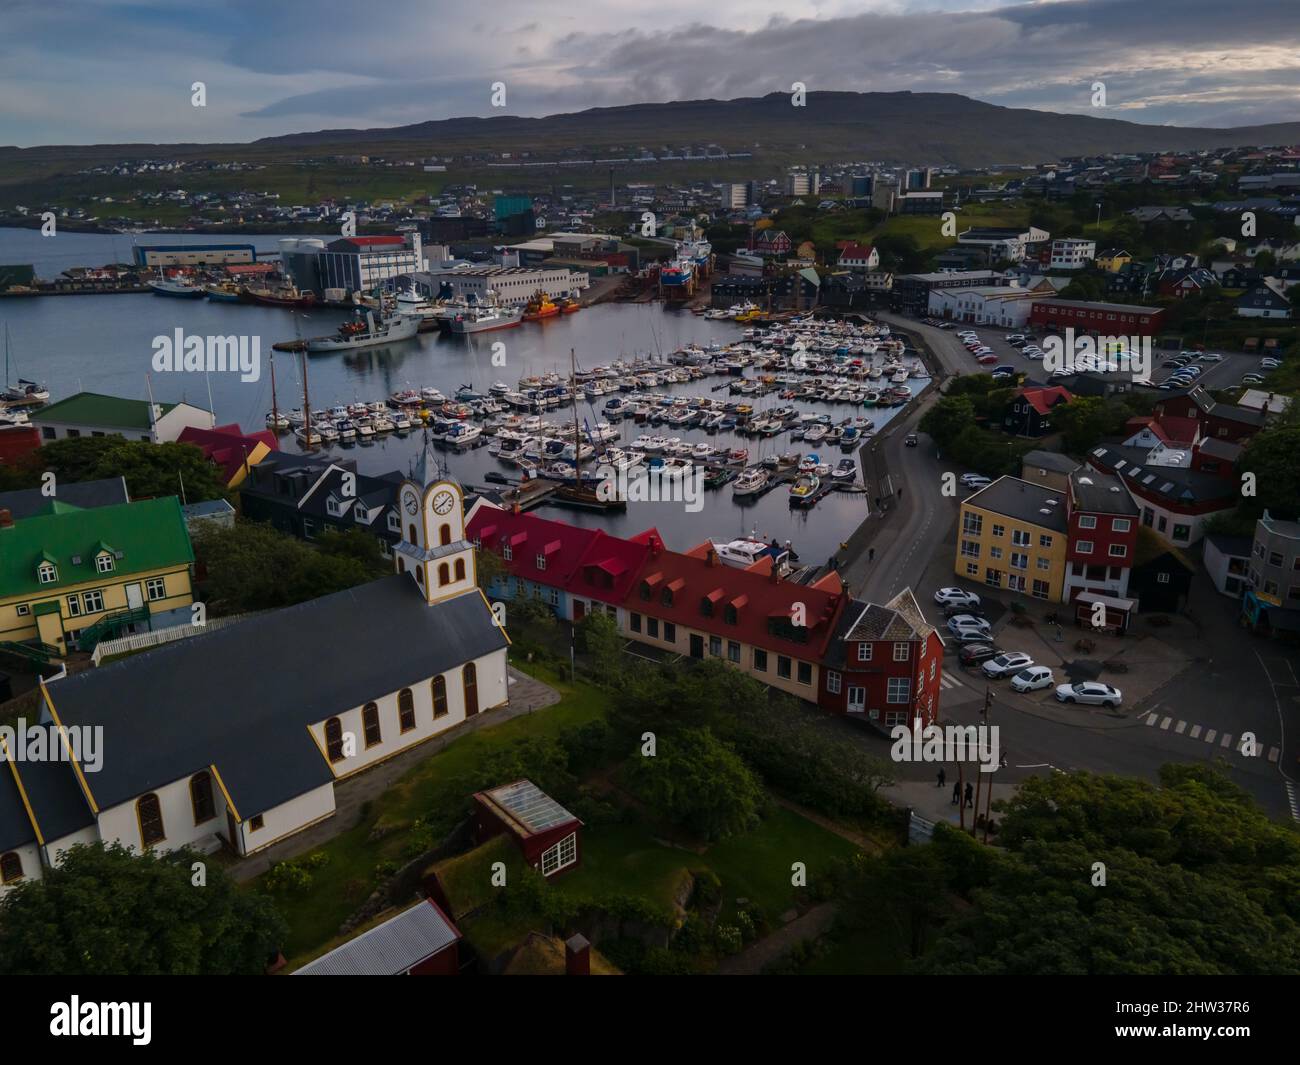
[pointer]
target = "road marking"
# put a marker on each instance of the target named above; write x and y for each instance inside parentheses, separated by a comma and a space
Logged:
(1180, 727)
(1225, 741)
(1164, 725)
(1152, 719)
(1293, 797)
(1196, 732)
(1209, 736)
(1274, 754)
(947, 680)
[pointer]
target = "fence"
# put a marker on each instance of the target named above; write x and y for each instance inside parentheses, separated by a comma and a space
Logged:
(157, 637)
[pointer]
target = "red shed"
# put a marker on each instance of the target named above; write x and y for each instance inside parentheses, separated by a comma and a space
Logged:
(18, 441)
(543, 829)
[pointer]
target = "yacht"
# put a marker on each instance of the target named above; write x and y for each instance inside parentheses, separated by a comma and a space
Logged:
(805, 487)
(751, 481)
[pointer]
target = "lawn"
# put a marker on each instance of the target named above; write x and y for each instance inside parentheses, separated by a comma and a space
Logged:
(358, 859)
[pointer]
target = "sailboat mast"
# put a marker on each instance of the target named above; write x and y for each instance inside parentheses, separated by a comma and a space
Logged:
(577, 440)
(306, 402)
(275, 407)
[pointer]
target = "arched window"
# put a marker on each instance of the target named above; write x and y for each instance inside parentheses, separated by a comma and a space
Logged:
(401, 564)
(149, 812)
(419, 576)
(11, 867)
(406, 709)
(444, 535)
(334, 740)
(410, 532)
(444, 575)
(439, 697)
(460, 569)
(370, 724)
(469, 677)
(201, 797)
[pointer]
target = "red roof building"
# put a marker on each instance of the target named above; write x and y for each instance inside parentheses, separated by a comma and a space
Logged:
(1031, 409)
(231, 449)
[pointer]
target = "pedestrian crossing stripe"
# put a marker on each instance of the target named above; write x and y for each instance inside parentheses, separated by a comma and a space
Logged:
(1194, 732)
(1293, 797)
(947, 680)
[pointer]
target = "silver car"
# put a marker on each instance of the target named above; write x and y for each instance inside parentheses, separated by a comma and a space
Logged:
(1090, 693)
(1005, 664)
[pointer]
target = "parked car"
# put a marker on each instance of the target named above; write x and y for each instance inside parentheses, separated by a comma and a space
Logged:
(1211, 356)
(1091, 692)
(1006, 663)
(1252, 379)
(970, 480)
(956, 597)
(1033, 678)
(979, 484)
(1004, 369)
(910, 440)
(955, 609)
(967, 636)
(1269, 364)
(974, 654)
(986, 358)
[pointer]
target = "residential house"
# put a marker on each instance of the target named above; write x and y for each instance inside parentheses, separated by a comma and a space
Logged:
(1271, 603)
(770, 243)
(1071, 253)
(1227, 561)
(1013, 535)
(1162, 575)
(1030, 412)
(1051, 469)
(1112, 260)
(855, 256)
(95, 414)
(1102, 536)
(1266, 299)
(1219, 421)
(230, 449)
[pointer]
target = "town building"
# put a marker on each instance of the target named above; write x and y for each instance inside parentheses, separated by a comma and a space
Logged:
(1227, 561)
(911, 292)
(1266, 299)
(230, 449)
(32, 502)
(1004, 243)
(1013, 535)
(417, 653)
(1030, 410)
(95, 414)
(72, 576)
(1161, 577)
(1112, 260)
(161, 255)
(1005, 306)
(1218, 421)
(1051, 469)
(363, 264)
(1096, 319)
(510, 285)
(1071, 253)
(1271, 603)
(855, 256)
(1102, 537)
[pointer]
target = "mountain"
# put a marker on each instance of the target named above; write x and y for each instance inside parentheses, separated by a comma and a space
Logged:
(891, 127)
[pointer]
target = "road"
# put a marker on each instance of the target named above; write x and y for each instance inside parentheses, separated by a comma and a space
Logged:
(1237, 686)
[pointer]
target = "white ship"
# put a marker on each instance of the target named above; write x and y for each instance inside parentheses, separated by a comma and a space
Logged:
(367, 333)
(483, 319)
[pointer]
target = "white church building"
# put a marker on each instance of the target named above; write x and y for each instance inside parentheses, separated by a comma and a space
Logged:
(237, 738)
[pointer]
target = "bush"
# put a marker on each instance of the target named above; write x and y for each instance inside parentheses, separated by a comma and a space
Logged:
(287, 878)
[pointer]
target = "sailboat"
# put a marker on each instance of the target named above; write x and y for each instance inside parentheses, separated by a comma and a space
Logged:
(24, 393)
(308, 434)
(580, 494)
(275, 421)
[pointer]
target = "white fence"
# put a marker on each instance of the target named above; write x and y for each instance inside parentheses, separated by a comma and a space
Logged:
(158, 637)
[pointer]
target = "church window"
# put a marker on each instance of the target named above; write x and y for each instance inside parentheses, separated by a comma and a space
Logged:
(406, 709)
(334, 740)
(149, 812)
(410, 532)
(444, 574)
(444, 535)
(201, 797)
(439, 697)
(370, 723)
(460, 569)
(11, 867)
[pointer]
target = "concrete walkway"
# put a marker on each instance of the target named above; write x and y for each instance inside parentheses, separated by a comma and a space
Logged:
(526, 695)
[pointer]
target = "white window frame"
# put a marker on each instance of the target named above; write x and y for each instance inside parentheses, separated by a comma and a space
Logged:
(561, 855)
(1083, 547)
(47, 573)
(160, 583)
(864, 651)
(833, 680)
(1087, 521)
(104, 562)
(1121, 525)
(899, 690)
(902, 651)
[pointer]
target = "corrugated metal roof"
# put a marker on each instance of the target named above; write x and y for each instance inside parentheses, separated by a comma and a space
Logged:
(390, 948)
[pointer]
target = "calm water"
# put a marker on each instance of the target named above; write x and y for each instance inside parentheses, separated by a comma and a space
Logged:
(105, 344)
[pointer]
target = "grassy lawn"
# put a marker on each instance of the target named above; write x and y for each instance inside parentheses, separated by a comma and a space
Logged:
(353, 869)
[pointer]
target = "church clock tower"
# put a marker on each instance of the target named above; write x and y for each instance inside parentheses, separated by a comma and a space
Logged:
(433, 549)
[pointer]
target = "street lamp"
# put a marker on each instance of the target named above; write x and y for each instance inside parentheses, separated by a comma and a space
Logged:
(1099, 218)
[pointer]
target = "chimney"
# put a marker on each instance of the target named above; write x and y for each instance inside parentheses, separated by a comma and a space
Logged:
(6, 518)
(711, 559)
(577, 956)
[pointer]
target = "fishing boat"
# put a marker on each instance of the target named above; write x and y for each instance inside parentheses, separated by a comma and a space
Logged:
(289, 297)
(845, 470)
(485, 319)
(223, 292)
(580, 493)
(275, 421)
(539, 307)
(751, 481)
(366, 332)
(176, 289)
(462, 433)
(805, 487)
(568, 306)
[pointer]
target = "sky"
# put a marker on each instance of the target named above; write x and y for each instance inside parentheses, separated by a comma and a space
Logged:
(105, 71)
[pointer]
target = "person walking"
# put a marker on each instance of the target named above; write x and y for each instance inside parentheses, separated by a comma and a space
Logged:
(942, 777)
(970, 794)
(956, 793)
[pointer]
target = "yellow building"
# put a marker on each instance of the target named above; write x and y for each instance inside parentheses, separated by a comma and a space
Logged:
(1112, 260)
(73, 576)
(1012, 535)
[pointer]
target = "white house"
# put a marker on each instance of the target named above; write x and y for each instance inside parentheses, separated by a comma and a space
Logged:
(858, 257)
(95, 414)
(236, 739)
(1072, 253)
(1001, 305)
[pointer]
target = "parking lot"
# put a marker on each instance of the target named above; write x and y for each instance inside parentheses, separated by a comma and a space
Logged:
(1234, 366)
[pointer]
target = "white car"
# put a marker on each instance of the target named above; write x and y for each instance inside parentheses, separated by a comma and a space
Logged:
(972, 480)
(956, 597)
(1269, 364)
(1031, 679)
(1211, 356)
(1252, 379)
(969, 623)
(1091, 692)
(1004, 664)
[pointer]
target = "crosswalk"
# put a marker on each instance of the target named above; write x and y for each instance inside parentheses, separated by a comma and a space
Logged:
(1222, 740)
(948, 681)
(1293, 797)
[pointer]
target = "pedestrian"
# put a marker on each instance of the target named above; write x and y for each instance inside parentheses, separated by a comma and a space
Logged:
(900, 494)
(956, 793)
(1004, 761)
(942, 778)
(970, 794)
(871, 554)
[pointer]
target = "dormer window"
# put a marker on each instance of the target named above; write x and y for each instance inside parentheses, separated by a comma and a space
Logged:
(507, 552)
(104, 562)
(47, 573)
(706, 607)
(541, 561)
(394, 522)
(644, 591)
(666, 597)
(730, 615)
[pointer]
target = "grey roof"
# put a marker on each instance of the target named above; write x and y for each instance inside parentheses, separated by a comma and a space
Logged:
(27, 502)
(1049, 460)
(390, 948)
(1122, 308)
(1220, 449)
(1101, 493)
(898, 619)
(241, 698)
(1172, 484)
(532, 808)
(206, 508)
(57, 801)
(1235, 546)
(1024, 501)
(15, 825)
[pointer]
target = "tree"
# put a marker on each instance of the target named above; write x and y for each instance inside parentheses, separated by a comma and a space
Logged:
(1085, 420)
(945, 421)
(151, 470)
(599, 635)
(107, 911)
(699, 783)
(488, 567)
(1270, 456)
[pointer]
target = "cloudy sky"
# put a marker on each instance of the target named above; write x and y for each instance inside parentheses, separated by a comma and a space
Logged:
(94, 71)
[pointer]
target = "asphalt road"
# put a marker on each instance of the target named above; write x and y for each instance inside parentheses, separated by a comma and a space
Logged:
(1250, 686)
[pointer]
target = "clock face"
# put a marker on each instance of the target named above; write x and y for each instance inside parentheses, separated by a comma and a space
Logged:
(412, 503)
(443, 502)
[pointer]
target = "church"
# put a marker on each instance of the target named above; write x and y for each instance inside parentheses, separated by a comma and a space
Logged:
(236, 738)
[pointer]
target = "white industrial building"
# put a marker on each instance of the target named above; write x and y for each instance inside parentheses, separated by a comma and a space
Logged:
(999, 305)
(509, 285)
(1072, 253)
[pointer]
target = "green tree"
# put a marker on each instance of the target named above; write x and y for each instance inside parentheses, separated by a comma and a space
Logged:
(106, 911)
(488, 567)
(1271, 456)
(151, 470)
(598, 633)
(1086, 420)
(699, 783)
(948, 418)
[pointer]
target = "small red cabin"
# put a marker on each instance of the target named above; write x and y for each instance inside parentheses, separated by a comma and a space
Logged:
(543, 829)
